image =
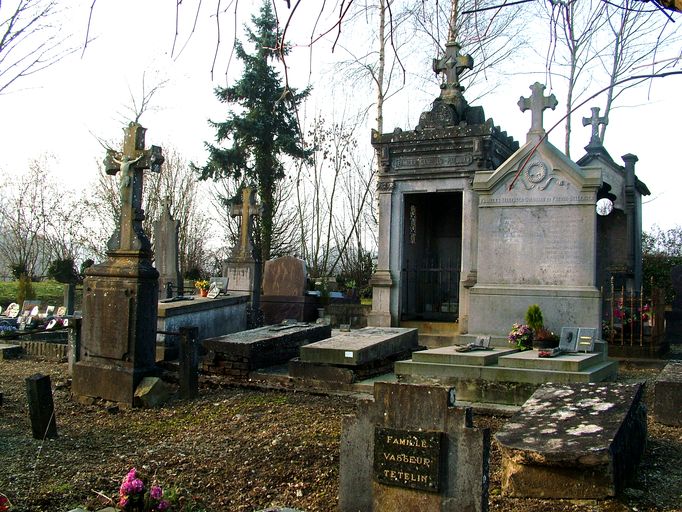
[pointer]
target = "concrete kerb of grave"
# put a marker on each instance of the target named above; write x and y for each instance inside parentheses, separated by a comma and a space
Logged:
(410, 449)
(668, 395)
(574, 441)
(355, 355)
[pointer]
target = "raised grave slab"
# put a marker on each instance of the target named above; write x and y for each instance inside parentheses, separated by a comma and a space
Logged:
(354, 355)
(449, 355)
(236, 354)
(574, 441)
(668, 395)
(528, 359)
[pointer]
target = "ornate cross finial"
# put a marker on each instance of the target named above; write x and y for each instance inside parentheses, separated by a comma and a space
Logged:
(130, 163)
(595, 121)
(246, 210)
(537, 103)
(451, 65)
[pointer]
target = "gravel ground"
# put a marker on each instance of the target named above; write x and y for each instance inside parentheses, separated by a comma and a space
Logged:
(239, 450)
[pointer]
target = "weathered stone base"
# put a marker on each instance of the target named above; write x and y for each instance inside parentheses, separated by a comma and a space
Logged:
(574, 441)
(108, 381)
(668, 395)
(278, 308)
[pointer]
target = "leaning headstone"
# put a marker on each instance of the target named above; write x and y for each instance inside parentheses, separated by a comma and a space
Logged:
(574, 441)
(41, 406)
(411, 449)
(166, 251)
(668, 395)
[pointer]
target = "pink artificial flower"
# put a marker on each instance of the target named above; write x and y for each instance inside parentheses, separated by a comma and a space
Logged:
(123, 501)
(163, 505)
(156, 492)
(137, 485)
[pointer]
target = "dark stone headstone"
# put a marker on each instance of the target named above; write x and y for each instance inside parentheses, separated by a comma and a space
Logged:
(668, 395)
(411, 449)
(189, 361)
(574, 441)
(41, 406)
(676, 281)
(285, 276)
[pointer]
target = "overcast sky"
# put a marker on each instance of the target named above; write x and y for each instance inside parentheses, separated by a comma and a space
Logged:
(63, 110)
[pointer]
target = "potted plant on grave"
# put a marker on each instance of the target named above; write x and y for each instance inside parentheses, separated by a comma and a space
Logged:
(521, 336)
(202, 285)
(542, 338)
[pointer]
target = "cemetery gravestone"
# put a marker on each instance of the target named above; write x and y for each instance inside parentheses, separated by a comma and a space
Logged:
(284, 286)
(121, 294)
(41, 406)
(411, 450)
(166, 251)
(668, 395)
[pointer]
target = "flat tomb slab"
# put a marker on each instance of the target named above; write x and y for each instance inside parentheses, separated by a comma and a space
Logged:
(361, 347)
(574, 441)
(449, 355)
(529, 359)
(668, 395)
(236, 354)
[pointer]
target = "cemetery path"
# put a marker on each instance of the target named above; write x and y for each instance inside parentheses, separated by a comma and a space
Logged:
(238, 450)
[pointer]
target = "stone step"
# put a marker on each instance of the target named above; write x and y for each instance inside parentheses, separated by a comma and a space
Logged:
(529, 360)
(449, 355)
(596, 373)
(437, 340)
(449, 328)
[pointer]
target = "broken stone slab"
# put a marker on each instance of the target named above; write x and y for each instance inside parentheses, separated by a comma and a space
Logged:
(361, 347)
(668, 395)
(10, 351)
(574, 441)
(151, 392)
(237, 354)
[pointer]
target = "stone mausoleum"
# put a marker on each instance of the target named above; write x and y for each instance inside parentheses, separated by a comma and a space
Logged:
(473, 228)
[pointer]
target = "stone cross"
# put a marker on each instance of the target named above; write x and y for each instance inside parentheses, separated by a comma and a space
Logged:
(131, 162)
(452, 64)
(247, 209)
(537, 103)
(595, 121)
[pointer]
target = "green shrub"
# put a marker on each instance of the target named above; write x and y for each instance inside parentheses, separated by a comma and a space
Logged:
(534, 318)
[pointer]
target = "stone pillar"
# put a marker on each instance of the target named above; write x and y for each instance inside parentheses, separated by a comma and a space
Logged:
(382, 282)
(469, 254)
(633, 214)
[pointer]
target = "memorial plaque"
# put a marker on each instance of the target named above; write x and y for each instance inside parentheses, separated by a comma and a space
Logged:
(407, 458)
(569, 339)
(586, 336)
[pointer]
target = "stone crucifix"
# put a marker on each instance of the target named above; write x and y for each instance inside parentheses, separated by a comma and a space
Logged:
(131, 162)
(595, 121)
(247, 209)
(537, 103)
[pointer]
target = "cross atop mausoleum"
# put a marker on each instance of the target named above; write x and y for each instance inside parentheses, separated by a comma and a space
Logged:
(131, 162)
(537, 103)
(452, 64)
(595, 121)
(247, 209)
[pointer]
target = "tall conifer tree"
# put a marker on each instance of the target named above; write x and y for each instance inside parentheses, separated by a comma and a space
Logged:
(265, 127)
